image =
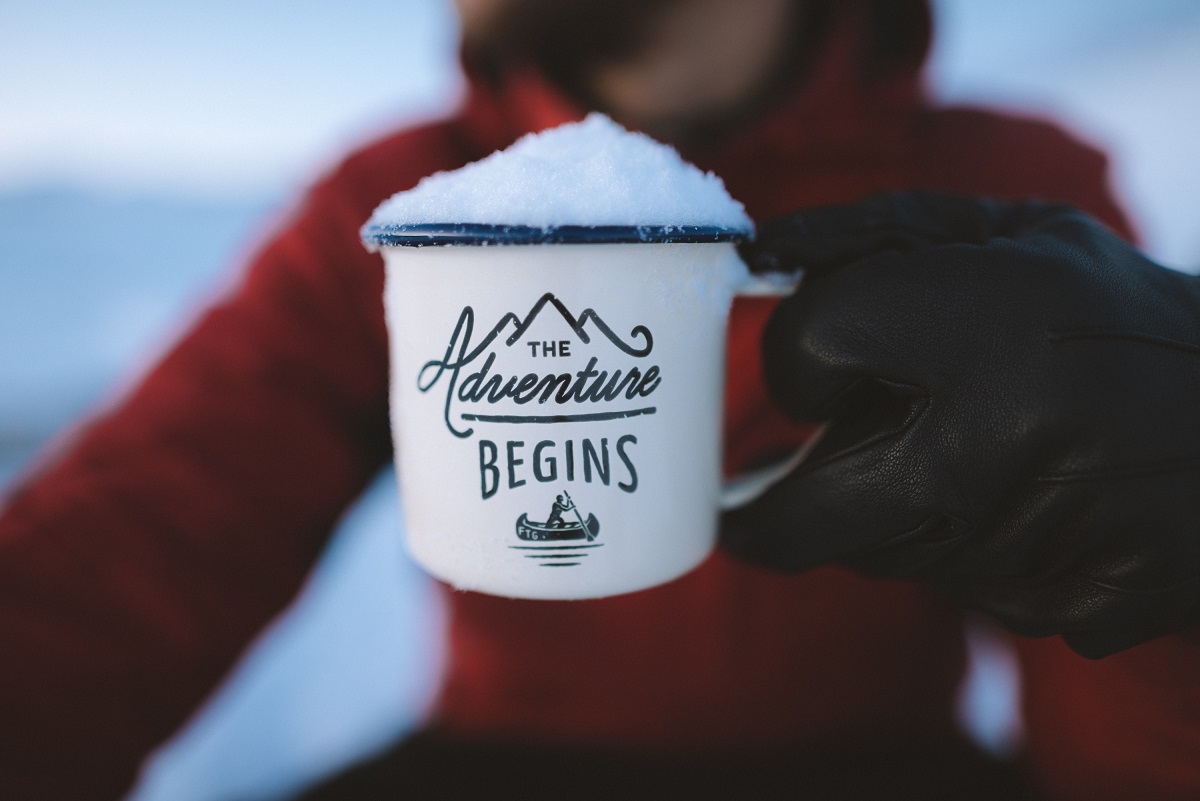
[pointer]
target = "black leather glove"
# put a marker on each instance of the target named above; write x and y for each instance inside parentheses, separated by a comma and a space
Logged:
(1014, 403)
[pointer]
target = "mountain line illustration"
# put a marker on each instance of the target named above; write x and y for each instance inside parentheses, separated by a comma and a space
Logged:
(483, 385)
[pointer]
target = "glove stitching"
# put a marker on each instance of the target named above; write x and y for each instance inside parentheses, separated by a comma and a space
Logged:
(918, 403)
(957, 526)
(1069, 335)
(1184, 465)
(1171, 588)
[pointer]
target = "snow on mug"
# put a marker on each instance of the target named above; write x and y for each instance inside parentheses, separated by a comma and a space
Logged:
(557, 362)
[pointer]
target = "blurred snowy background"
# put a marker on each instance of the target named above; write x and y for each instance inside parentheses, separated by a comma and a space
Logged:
(145, 147)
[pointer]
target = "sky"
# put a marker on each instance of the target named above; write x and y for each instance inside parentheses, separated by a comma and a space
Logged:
(1123, 74)
(213, 97)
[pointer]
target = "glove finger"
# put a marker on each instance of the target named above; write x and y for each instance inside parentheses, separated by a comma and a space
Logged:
(827, 237)
(1064, 223)
(1131, 618)
(846, 347)
(1094, 619)
(858, 487)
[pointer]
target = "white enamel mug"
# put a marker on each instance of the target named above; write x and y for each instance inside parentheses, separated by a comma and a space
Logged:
(556, 401)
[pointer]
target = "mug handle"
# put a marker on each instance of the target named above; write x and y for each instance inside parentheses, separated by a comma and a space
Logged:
(742, 489)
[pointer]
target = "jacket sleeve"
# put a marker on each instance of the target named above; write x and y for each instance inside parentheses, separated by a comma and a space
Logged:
(137, 564)
(1123, 727)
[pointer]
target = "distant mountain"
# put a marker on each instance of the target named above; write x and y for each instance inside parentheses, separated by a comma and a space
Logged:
(91, 283)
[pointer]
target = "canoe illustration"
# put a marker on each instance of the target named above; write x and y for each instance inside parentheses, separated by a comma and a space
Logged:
(532, 530)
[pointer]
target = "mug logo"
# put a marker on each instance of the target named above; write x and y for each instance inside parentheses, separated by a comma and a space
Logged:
(567, 535)
(489, 381)
(587, 386)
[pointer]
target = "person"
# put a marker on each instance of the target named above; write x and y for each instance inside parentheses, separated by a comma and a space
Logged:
(141, 560)
(555, 519)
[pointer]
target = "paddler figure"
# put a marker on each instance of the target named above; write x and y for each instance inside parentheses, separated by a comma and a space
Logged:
(555, 520)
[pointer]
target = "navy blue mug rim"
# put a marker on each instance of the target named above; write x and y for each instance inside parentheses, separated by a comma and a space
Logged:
(427, 234)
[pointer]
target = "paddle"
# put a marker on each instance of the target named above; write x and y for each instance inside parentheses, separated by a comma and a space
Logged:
(586, 531)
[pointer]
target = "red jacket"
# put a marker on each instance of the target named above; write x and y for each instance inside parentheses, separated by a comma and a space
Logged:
(141, 561)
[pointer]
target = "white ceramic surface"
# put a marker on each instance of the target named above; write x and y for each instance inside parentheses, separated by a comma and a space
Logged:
(575, 386)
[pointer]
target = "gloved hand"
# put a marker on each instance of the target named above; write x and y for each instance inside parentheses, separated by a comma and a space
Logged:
(1013, 398)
